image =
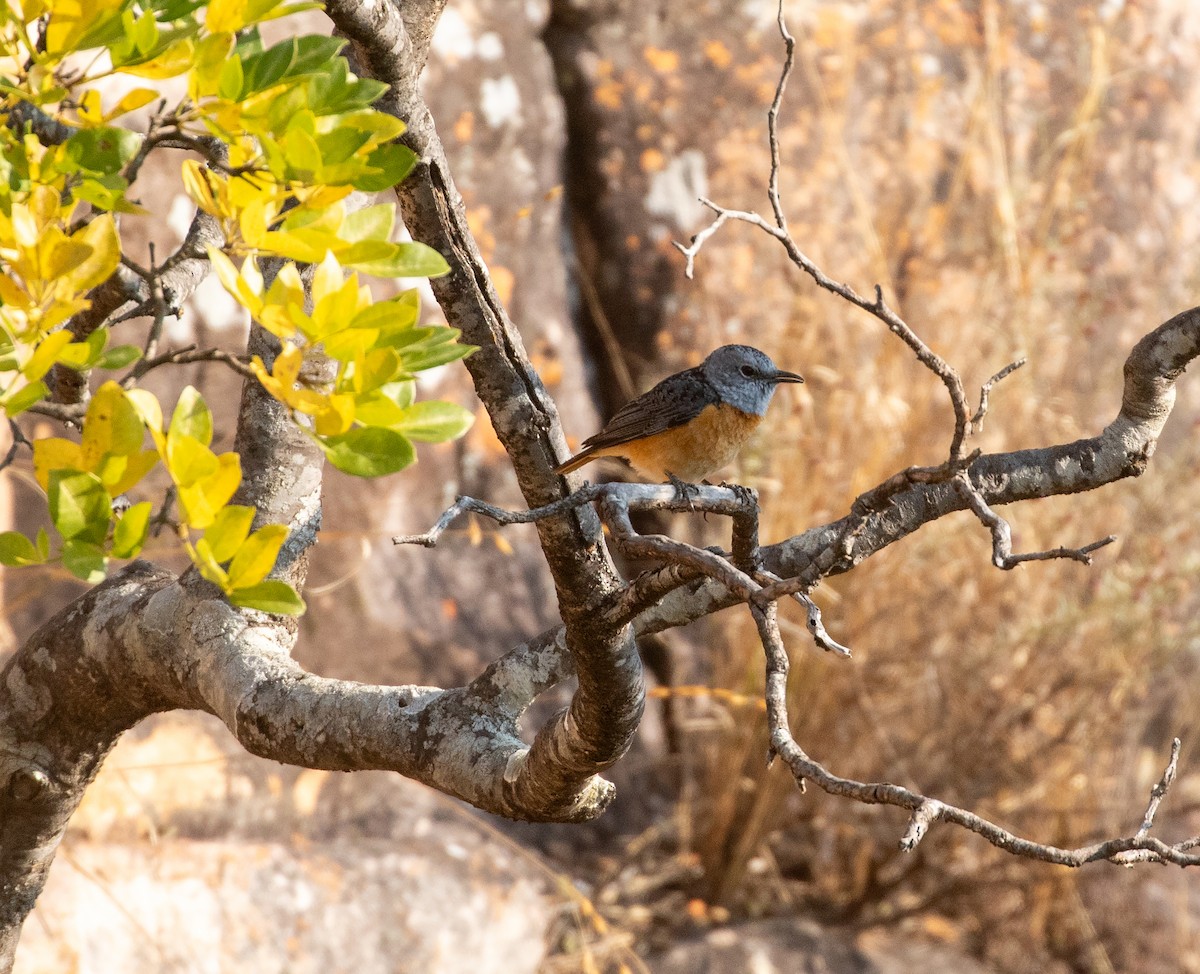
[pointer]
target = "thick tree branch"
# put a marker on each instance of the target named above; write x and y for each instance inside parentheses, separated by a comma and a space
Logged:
(391, 44)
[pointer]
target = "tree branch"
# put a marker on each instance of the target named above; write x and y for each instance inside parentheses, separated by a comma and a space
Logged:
(391, 44)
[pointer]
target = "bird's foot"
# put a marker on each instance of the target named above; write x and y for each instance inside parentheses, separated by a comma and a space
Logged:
(744, 494)
(684, 491)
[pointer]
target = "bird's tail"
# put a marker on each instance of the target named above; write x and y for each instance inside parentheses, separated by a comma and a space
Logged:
(577, 461)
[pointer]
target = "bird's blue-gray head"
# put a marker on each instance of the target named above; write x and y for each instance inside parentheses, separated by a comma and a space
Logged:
(745, 377)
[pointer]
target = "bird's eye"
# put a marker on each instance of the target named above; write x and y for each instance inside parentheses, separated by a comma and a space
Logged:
(747, 371)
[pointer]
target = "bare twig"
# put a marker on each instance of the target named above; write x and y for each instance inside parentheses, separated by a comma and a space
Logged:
(1157, 794)
(1002, 556)
(985, 391)
(642, 497)
(775, 587)
(1159, 791)
(163, 518)
(185, 356)
(18, 440)
(927, 810)
(773, 120)
(70, 413)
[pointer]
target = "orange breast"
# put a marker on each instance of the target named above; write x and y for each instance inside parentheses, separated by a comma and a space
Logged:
(692, 451)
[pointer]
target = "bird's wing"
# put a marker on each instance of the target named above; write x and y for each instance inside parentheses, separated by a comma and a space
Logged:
(676, 400)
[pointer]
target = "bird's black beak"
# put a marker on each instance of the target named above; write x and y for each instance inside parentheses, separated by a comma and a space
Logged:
(782, 375)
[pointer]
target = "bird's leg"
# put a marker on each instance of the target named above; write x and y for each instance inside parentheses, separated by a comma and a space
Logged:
(683, 490)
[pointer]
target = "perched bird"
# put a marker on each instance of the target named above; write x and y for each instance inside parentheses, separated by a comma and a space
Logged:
(693, 422)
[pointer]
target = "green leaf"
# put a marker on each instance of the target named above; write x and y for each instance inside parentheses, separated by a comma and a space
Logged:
(191, 417)
(388, 165)
(17, 550)
(342, 145)
(85, 560)
(106, 193)
(375, 369)
(397, 314)
(82, 355)
(301, 151)
(145, 32)
(369, 223)
(228, 530)
(256, 557)
(25, 397)
(384, 406)
(132, 530)
(43, 544)
(119, 356)
(103, 150)
(434, 422)
(368, 451)
(80, 507)
(273, 596)
(231, 84)
(407, 260)
(420, 359)
(289, 59)
(249, 40)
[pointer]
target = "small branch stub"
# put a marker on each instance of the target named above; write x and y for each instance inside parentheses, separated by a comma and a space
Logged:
(928, 812)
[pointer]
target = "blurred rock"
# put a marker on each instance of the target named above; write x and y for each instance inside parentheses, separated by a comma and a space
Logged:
(446, 904)
(777, 946)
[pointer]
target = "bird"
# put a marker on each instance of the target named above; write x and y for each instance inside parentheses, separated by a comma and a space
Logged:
(693, 422)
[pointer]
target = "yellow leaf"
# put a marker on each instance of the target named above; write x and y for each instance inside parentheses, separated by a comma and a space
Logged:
(208, 60)
(203, 500)
(188, 460)
(173, 61)
(45, 205)
(146, 404)
(55, 255)
(203, 558)
(46, 355)
(204, 187)
(287, 366)
(256, 557)
(66, 25)
(90, 110)
(53, 453)
(24, 226)
(246, 286)
(328, 278)
(112, 426)
(105, 253)
(120, 474)
(277, 321)
(138, 98)
(225, 16)
(337, 415)
(11, 293)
